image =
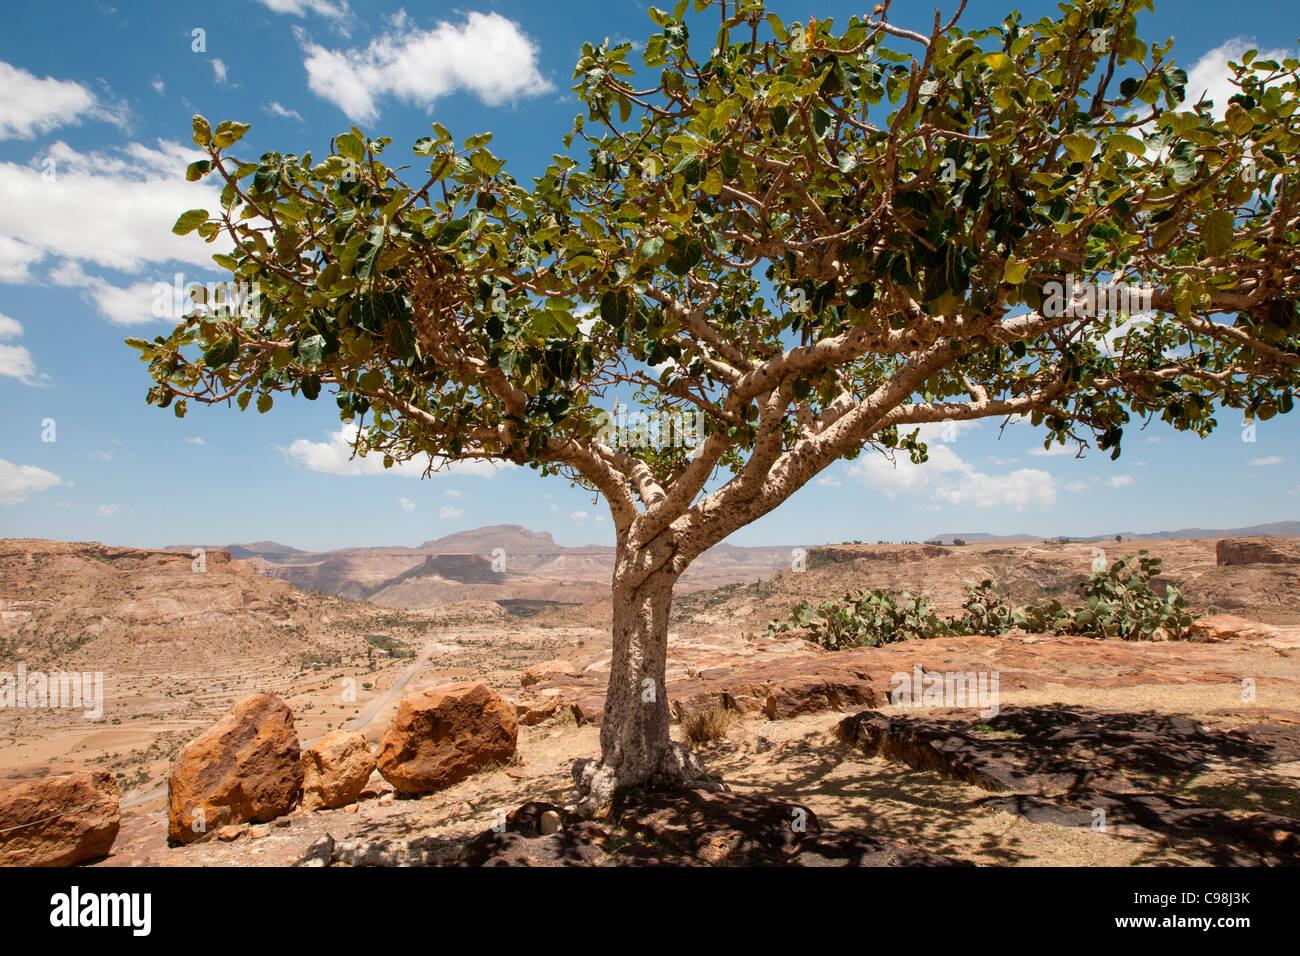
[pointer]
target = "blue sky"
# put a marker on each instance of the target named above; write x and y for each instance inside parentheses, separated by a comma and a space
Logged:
(95, 107)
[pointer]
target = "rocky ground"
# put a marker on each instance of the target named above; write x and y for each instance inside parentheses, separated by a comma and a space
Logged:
(1102, 752)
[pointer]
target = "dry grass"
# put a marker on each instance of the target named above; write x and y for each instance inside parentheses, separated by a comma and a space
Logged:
(707, 726)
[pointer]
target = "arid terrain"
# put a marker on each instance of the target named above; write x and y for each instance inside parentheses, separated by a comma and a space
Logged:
(1161, 739)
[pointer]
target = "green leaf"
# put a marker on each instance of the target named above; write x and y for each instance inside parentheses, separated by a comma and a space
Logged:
(479, 140)
(1238, 120)
(1079, 146)
(350, 147)
(1216, 231)
(615, 307)
(264, 402)
(202, 131)
(189, 221)
(196, 171)
(1014, 272)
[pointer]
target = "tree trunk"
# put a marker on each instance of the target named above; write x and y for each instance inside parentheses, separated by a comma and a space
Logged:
(635, 747)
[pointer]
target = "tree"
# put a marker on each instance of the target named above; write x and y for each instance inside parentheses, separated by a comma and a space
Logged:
(816, 238)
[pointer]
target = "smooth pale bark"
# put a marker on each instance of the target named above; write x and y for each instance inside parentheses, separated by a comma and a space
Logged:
(636, 750)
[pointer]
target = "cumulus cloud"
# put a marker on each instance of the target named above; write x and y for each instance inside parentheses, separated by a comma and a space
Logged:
(1209, 76)
(111, 209)
(219, 70)
(1120, 481)
(15, 360)
(406, 504)
(947, 478)
(17, 482)
(487, 55)
(30, 105)
(579, 517)
(335, 457)
(448, 513)
(196, 440)
(1078, 486)
(107, 511)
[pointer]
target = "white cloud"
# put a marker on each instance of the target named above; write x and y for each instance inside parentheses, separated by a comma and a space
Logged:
(111, 209)
(107, 511)
(19, 481)
(830, 481)
(452, 493)
(15, 360)
(947, 478)
(406, 504)
(1120, 481)
(275, 109)
(1209, 76)
(158, 85)
(30, 105)
(579, 517)
(101, 455)
(1078, 486)
(1152, 440)
(325, 8)
(334, 457)
(1265, 462)
(487, 55)
(448, 513)
(196, 440)
(219, 71)
(945, 432)
(1054, 451)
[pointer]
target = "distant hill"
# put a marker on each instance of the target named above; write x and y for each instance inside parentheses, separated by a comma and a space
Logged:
(459, 566)
(1280, 529)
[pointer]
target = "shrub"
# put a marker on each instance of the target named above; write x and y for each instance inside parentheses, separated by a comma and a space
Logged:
(865, 619)
(706, 726)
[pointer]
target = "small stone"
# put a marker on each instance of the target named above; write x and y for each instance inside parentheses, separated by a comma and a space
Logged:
(350, 808)
(548, 823)
(230, 833)
(384, 800)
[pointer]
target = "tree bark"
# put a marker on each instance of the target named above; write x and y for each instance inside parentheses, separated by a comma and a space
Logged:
(636, 750)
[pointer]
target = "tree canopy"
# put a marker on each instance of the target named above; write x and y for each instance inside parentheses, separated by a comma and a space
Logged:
(819, 236)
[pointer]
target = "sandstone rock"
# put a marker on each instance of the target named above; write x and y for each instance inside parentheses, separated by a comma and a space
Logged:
(810, 695)
(1225, 627)
(230, 833)
(335, 770)
(1258, 550)
(441, 735)
(245, 768)
(533, 712)
(57, 815)
(546, 670)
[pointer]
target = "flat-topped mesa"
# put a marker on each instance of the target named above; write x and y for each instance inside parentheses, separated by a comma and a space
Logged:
(840, 553)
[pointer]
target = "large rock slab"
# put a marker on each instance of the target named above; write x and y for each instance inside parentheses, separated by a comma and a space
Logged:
(245, 768)
(441, 735)
(335, 770)
(57, 815)
(1258, 550)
